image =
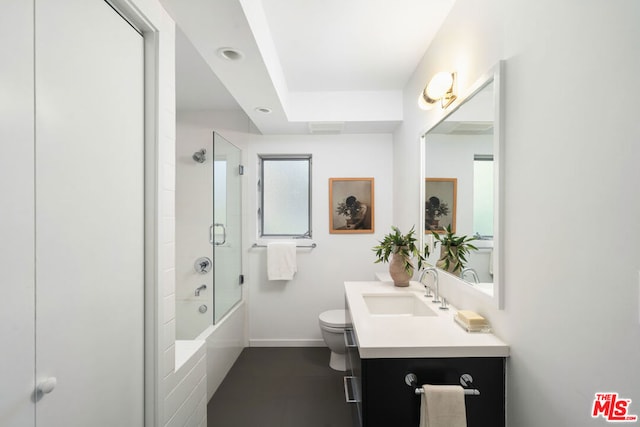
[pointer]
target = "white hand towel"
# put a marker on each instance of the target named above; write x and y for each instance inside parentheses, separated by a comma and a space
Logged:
(281, 260)
(443, 406)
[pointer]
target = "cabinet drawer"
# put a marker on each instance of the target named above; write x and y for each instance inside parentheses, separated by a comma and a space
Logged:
(350, 340)
(352, 390)
(353, 355)
(353, 396)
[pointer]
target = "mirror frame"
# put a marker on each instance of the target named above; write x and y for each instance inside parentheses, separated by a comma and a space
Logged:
(495, 75)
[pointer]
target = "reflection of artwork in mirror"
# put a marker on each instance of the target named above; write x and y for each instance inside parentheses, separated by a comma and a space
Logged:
(440, 204)
(351, 205)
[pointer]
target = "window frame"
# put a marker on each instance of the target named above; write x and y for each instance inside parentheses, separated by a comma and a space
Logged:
(261, 214)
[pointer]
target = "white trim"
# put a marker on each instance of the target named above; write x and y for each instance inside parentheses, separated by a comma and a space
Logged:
(287, 343)
(141, 14)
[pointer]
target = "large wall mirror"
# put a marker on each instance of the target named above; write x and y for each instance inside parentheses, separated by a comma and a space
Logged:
(461, 167)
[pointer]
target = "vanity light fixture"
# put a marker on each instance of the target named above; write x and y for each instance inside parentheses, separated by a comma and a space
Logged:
(441, 88)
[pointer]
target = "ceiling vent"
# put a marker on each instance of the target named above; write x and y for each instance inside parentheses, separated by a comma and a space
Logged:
(473, 128)
(326, 128)
(450, 127)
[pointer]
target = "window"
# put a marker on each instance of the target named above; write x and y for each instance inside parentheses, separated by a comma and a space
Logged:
(285, 195)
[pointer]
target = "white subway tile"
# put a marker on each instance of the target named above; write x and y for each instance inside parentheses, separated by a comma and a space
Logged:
(169, 334)
(167, 255)
(199, 416)
(168, 282)
(168, 360)
(169, 312)
(190, 405)
(168, 177)
(177, 398)
(168, 224)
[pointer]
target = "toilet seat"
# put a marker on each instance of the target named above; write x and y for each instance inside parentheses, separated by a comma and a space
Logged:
(334, 319)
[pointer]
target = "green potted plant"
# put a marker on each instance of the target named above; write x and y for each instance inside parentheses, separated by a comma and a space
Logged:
(402, 249)
(453, 250)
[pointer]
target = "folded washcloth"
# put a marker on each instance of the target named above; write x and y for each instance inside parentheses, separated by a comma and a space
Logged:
(443, 406)
(281, 260)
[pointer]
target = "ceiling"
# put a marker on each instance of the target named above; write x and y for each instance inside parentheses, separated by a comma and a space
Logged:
(317, 66)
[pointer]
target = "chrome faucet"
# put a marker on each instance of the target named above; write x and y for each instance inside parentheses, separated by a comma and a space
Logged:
(427, 289)
(472, 272)
(200, 288)
(434, 271)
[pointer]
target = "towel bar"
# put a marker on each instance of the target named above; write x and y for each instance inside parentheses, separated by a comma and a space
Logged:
(313, 245)
(412, 381)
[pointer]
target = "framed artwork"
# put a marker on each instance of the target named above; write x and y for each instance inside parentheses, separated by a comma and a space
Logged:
(440, 204)
(351, 207)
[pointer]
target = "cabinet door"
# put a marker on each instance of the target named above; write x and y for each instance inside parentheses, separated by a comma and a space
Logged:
(89, 215)
(387, 400)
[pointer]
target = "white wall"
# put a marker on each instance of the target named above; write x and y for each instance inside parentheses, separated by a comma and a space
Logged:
(286, 313)
(571, 212)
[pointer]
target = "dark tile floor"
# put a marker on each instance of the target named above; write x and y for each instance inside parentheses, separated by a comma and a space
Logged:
(280, 387)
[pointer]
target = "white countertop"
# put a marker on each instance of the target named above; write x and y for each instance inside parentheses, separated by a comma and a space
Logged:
(414, 336)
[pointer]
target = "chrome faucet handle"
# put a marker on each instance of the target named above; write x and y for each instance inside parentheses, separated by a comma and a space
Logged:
(427, 291)
(444, 305)
(433, 271)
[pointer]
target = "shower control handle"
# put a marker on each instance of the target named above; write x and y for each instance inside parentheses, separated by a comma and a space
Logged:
(203, 265)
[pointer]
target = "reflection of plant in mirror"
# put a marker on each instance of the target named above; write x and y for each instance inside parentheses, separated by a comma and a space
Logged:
(403, 244)
(453, 250)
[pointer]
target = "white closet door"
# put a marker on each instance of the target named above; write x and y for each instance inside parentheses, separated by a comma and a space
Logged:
(89, 215)
(16, 215)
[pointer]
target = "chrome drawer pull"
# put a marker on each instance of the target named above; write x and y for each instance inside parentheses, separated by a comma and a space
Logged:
(350, 339)
(350, 390)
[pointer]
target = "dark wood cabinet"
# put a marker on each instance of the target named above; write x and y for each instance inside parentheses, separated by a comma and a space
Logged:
(381, 398)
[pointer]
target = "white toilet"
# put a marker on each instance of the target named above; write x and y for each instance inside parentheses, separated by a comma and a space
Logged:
(333, 324)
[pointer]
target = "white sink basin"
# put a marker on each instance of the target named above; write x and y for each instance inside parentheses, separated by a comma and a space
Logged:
(396, 305)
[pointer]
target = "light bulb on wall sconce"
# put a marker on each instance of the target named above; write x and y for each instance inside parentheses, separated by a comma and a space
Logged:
(441, 88)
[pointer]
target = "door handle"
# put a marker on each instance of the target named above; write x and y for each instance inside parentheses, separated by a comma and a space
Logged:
(47, 385)
(224, 234)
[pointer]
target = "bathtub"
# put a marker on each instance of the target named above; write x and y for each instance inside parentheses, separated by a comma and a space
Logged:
(224, 343)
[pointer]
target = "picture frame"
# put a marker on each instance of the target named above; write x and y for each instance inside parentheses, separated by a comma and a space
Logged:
(440, 204)
(351, 205)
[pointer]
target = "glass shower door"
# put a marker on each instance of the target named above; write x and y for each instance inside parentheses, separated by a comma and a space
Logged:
(226, 230)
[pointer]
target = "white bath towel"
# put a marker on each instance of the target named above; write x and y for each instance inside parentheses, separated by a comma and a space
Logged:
(442, 406)
(281, 260)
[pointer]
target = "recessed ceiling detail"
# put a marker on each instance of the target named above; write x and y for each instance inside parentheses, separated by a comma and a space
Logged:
(313, 61)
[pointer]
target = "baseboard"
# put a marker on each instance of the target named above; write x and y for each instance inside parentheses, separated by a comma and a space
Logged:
(286, 343)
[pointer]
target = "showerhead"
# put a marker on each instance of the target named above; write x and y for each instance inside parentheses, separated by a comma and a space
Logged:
(200, 156)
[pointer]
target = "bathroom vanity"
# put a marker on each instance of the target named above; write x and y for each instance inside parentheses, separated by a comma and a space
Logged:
(397, 331)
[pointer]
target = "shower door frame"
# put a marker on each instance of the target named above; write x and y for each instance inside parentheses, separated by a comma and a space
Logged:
(232, 239)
